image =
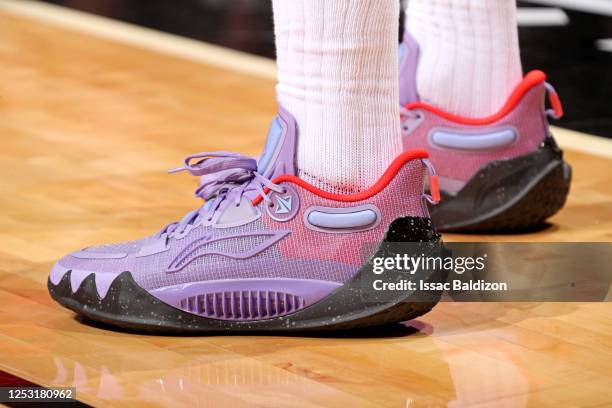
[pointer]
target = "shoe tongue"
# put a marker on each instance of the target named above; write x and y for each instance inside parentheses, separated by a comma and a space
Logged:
(408, 60)
(278, 156)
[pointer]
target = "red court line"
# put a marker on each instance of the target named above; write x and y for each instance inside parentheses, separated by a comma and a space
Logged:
(10, 380)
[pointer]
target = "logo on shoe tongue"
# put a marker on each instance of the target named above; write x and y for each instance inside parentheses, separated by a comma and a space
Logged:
(283, 205)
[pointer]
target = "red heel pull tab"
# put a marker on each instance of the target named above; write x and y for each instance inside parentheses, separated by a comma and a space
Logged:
(434, 185)
(555, 102)
(434, 188)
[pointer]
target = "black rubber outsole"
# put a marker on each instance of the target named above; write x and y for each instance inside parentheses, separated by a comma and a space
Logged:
(128, 306)
(509, 195)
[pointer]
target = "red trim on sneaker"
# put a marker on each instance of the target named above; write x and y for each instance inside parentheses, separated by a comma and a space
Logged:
(382, 182)
(532, 79)
(434, 188)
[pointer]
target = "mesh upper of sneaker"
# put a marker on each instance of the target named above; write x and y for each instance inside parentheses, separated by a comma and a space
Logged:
(259, 247)
(524, 115)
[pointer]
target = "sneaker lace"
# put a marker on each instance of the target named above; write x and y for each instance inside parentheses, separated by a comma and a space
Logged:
(221, 173)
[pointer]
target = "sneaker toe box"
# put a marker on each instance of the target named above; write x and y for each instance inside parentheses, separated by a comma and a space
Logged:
(104, 267)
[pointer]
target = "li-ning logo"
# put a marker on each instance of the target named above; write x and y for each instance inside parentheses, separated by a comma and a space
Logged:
(213, 246)
(284, 205)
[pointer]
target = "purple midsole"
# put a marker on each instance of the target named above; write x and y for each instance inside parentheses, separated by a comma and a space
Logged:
(309, 290)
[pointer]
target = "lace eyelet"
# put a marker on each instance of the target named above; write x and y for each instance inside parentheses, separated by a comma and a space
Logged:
(271, 205)
(284, 191)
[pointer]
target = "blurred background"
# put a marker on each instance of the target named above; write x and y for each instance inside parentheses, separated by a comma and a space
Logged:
(571, 40)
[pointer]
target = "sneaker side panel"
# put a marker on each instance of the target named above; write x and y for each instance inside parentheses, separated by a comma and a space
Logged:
(402, 197)
(527, 121)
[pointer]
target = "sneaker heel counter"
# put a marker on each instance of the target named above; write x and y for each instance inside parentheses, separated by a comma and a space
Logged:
(404, 192)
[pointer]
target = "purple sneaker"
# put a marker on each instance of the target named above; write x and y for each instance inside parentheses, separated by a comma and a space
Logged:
(267, 251)
(504, 172)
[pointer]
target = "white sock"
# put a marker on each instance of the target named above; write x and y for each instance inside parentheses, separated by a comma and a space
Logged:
(338, 76)
(470, 59)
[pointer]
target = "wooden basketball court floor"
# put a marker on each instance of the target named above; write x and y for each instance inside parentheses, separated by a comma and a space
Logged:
(93, 112)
